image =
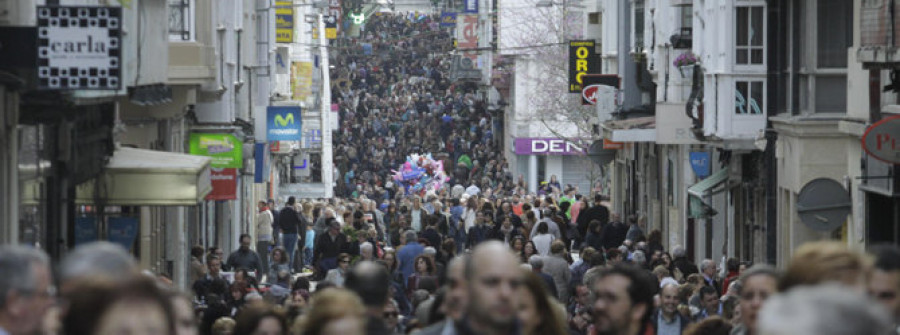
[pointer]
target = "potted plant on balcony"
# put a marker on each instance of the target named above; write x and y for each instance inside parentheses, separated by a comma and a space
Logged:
(685, 63)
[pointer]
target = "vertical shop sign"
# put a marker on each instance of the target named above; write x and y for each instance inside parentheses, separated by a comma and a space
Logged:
(284, 21)
(583, 60)
(301, 80)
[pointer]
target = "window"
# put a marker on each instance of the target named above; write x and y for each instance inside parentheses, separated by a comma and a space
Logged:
(825, 35)
(748, 97)
(833, 33)
(687, 16)
(181, 20)
(638, 25)
(750, 32)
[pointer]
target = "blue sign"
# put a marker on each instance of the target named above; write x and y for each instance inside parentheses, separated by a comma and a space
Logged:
(259, 153)
(700, 163)
(471, 6)
(85, 230)
(448, 19)
(283, 123)
(123, 231)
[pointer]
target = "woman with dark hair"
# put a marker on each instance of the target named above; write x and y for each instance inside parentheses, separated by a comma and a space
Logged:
(133, 306)
(278, 263)
(654, 242)
(593, 238)
(425, 268)
(540, 314)
(261, 319)
(527, 251)
(238, 291)
(336, 275)
(516, 244)
(543, 239)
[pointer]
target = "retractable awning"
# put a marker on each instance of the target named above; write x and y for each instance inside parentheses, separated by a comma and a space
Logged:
(704, 186)
(140, 177)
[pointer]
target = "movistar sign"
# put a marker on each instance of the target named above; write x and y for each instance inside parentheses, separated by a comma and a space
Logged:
(283, 123)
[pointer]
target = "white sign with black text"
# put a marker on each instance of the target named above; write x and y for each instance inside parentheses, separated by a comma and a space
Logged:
(79, 47)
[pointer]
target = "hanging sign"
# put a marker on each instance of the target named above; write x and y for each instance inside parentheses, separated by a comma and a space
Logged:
(225, 149)
(700, 163)
(448, 19)
(471, 6)
(284, 21)
(283, 123)
(594, 83)
(882, 140)
(583, 59)
(224, 184)
(79, 47)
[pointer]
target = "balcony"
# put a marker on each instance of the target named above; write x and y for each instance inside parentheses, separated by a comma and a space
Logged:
(879, 35)
(683, 38)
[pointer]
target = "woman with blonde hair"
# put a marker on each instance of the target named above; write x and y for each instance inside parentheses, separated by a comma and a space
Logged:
(826, 261)
(333, 311)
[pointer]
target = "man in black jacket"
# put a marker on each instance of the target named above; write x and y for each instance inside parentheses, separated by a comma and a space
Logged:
(328, 246)
(290, 223)
(596, 212)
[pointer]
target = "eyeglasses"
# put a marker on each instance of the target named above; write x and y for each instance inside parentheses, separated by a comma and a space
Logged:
(345, 261)
(391, 314)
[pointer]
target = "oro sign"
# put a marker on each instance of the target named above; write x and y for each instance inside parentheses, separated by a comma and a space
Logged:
(882, 140)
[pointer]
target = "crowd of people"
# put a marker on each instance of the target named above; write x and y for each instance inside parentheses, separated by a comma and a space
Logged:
(479, 255)
(395, 98)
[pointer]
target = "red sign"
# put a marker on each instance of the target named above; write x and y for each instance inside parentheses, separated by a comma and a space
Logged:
(882, 140)
(467, 35)
(224, 184)
(607, 144)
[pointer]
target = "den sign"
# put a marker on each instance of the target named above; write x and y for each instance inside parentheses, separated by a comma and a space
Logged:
(79, 47)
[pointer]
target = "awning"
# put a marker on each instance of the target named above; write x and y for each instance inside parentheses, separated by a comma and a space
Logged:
(642, 129)
(702, 187)
(140, 177)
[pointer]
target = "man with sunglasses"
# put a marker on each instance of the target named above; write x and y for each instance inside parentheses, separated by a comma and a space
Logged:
(26, 289)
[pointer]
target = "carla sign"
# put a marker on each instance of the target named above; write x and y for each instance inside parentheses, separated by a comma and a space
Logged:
(79, 47)
(546, 146)
(583, 59)
(283, 123)
(882, 140)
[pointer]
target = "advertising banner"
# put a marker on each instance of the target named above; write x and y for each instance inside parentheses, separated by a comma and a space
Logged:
(301, 80)
(467, 36)
(122, 231)
(225, 149)
(284, 21)
(547, 146)
(583, 59)
(85, 230)
(283, 123)
(700, 163)
(224, 184)
(261, 160)
(79, 47)
(448, 19)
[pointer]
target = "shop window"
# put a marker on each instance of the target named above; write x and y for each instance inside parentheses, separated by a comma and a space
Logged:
(748, 97)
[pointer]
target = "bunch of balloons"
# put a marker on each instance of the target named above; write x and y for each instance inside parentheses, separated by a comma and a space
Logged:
(421, 174)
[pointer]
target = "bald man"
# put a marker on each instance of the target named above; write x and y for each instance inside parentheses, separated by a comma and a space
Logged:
(455, 301)
(493, 277)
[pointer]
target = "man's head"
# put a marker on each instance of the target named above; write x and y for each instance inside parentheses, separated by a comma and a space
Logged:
(334, 227)
(371, 282)
(668, 297)
(260, 205)
(708, 267)
(366, 250)
(582, 294)
(107, 260)
(884, 282)
(709, 299)
(271, 203)
(245, 241)
(678, 251)
(291, 201)
(623, 297)
(26, 289)
(457, 298)
(537, 264)
(493, 278)
(410, 236)
(558, 247)
(214, 265)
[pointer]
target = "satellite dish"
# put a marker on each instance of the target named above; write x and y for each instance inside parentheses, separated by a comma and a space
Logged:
(823, 204)
(599, 155)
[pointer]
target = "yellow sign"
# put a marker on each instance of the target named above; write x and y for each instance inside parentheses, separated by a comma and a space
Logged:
(331, 33)
(284, 21)
(301, 80)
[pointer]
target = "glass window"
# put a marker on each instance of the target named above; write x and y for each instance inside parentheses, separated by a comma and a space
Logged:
(834, 33)
(639, 24)
(749, 39)
(181, 20)
(687, 16)
(831, 94)
(748, 97)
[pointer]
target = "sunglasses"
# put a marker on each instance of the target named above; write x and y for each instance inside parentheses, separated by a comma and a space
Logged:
(391, 314)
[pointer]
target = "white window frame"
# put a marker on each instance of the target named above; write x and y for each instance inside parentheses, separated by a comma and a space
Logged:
(808, 67)
(759, 104)
(191, 17)
(749, 66)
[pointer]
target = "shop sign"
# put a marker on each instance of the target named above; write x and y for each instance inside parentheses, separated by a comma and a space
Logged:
(79, 47)
(547, 146)
(123, 231)
(301, 80)
(700, 163)
(610, 145)
(467, 36)
(594, 83)
(284, 21)
(283, 123)
(330, 27)
(448, 19)
(224, 184)
(882, 140)
(471, 6)
(583, 59)
(225, 149)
